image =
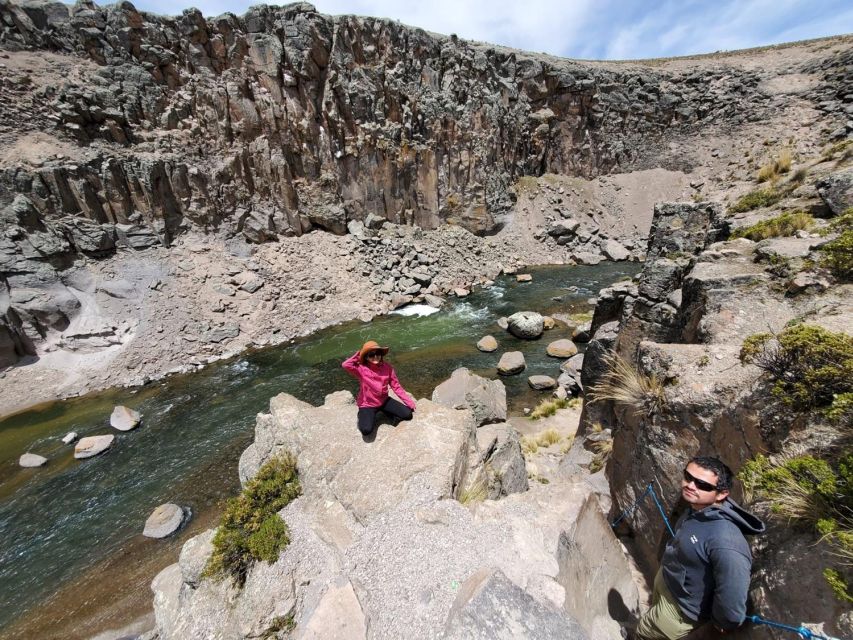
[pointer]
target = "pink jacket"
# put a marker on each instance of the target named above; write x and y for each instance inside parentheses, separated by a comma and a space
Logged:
(375, 381)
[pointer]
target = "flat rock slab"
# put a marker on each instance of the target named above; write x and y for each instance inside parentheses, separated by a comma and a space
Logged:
(511, 362)
(562, 349)
(164, 521)
(524, 277)
(92, 446)
(125, 419)
(490, 606)
(487, 344)
(541, 383)
(32, 460)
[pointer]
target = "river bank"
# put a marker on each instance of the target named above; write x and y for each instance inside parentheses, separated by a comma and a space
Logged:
(142, 315)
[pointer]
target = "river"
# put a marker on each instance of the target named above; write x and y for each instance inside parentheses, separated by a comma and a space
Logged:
(73, 560)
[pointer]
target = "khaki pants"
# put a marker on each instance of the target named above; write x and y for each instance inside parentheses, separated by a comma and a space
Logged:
(664, 620)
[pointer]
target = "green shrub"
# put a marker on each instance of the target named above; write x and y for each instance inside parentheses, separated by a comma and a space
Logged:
(810, 366)
(838, 256)
(808, 490)
(838, 585)
(756, 199)
(251, 528)
(547, 408)
(786, 224)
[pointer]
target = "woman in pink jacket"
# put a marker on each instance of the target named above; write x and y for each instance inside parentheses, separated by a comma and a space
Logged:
(375, 376)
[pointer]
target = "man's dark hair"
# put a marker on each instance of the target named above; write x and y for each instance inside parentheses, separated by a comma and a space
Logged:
(710, 463)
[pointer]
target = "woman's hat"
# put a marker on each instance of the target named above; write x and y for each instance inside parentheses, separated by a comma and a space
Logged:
(369, 346)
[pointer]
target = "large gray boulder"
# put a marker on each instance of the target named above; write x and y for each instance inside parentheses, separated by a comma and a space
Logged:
(487, 344)
(125, 419)
(164, 521)
(464, 390)
(527, 325)
(563, 348)
(511, 362)
(490, 606)
(503, 458)
(837, 190)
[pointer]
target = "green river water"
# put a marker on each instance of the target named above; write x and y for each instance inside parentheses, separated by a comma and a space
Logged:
(73, 560)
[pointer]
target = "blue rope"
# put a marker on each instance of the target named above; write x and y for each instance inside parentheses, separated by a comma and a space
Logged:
(802, 631)
(649, 490)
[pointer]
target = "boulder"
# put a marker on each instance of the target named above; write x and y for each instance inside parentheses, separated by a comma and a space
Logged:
(503, 323)
(463, 390)
(487, 344)
(32, 460)
(460, 292)
(502, 455)
(490, 606)
(614, 251)
(338, 615)
(527, 325)
(581, 333)
(548, 322)
(573, 365)
(92, 446)
(562, 349)
(164, 521)
(836, 190)
(541, 383)
(125, 419)
(511, 362)
(69, 437)
(560, 228)
(524, 277)
(194, 556)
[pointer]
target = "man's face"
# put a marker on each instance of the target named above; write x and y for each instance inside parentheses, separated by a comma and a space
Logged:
(700, 497)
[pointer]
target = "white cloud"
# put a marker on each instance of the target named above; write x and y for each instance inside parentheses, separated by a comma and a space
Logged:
(602, 29)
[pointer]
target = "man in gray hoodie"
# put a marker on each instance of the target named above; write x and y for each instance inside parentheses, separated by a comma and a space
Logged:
(705, 569)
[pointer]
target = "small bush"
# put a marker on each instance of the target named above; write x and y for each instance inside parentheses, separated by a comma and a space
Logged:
(251, 528)
(756, 199)
(838, 585)
(772, 170)
(841, 223)
(548, 437)
(602, 450)
(833, 150)
(809, 491)
(548, 408)
(529, 445)
(785, 224)
(623, 384)
(810, 366)
(837, 256)
(476, 492)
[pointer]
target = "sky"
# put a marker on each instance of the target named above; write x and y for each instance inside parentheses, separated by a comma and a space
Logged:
(590, 29)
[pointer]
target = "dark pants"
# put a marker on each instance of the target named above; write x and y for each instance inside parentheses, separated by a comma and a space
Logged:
(392, 408)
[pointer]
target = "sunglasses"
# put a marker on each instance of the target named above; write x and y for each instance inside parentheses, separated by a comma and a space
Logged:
(699, 484)
(374, 354)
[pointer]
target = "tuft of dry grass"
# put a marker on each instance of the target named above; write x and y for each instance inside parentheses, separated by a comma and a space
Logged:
(771, 171)
(529, 445)
(548, 437)
(476, 492)
(623, 384)
(548, 408)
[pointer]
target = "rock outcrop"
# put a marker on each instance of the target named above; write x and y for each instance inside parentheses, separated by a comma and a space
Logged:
(379, 547)
(683, 324)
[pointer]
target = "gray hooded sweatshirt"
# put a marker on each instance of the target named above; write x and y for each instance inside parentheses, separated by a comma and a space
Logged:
(707, 565)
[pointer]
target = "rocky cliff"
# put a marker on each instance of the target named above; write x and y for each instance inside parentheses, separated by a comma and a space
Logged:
(125, 132)
(681, 327)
